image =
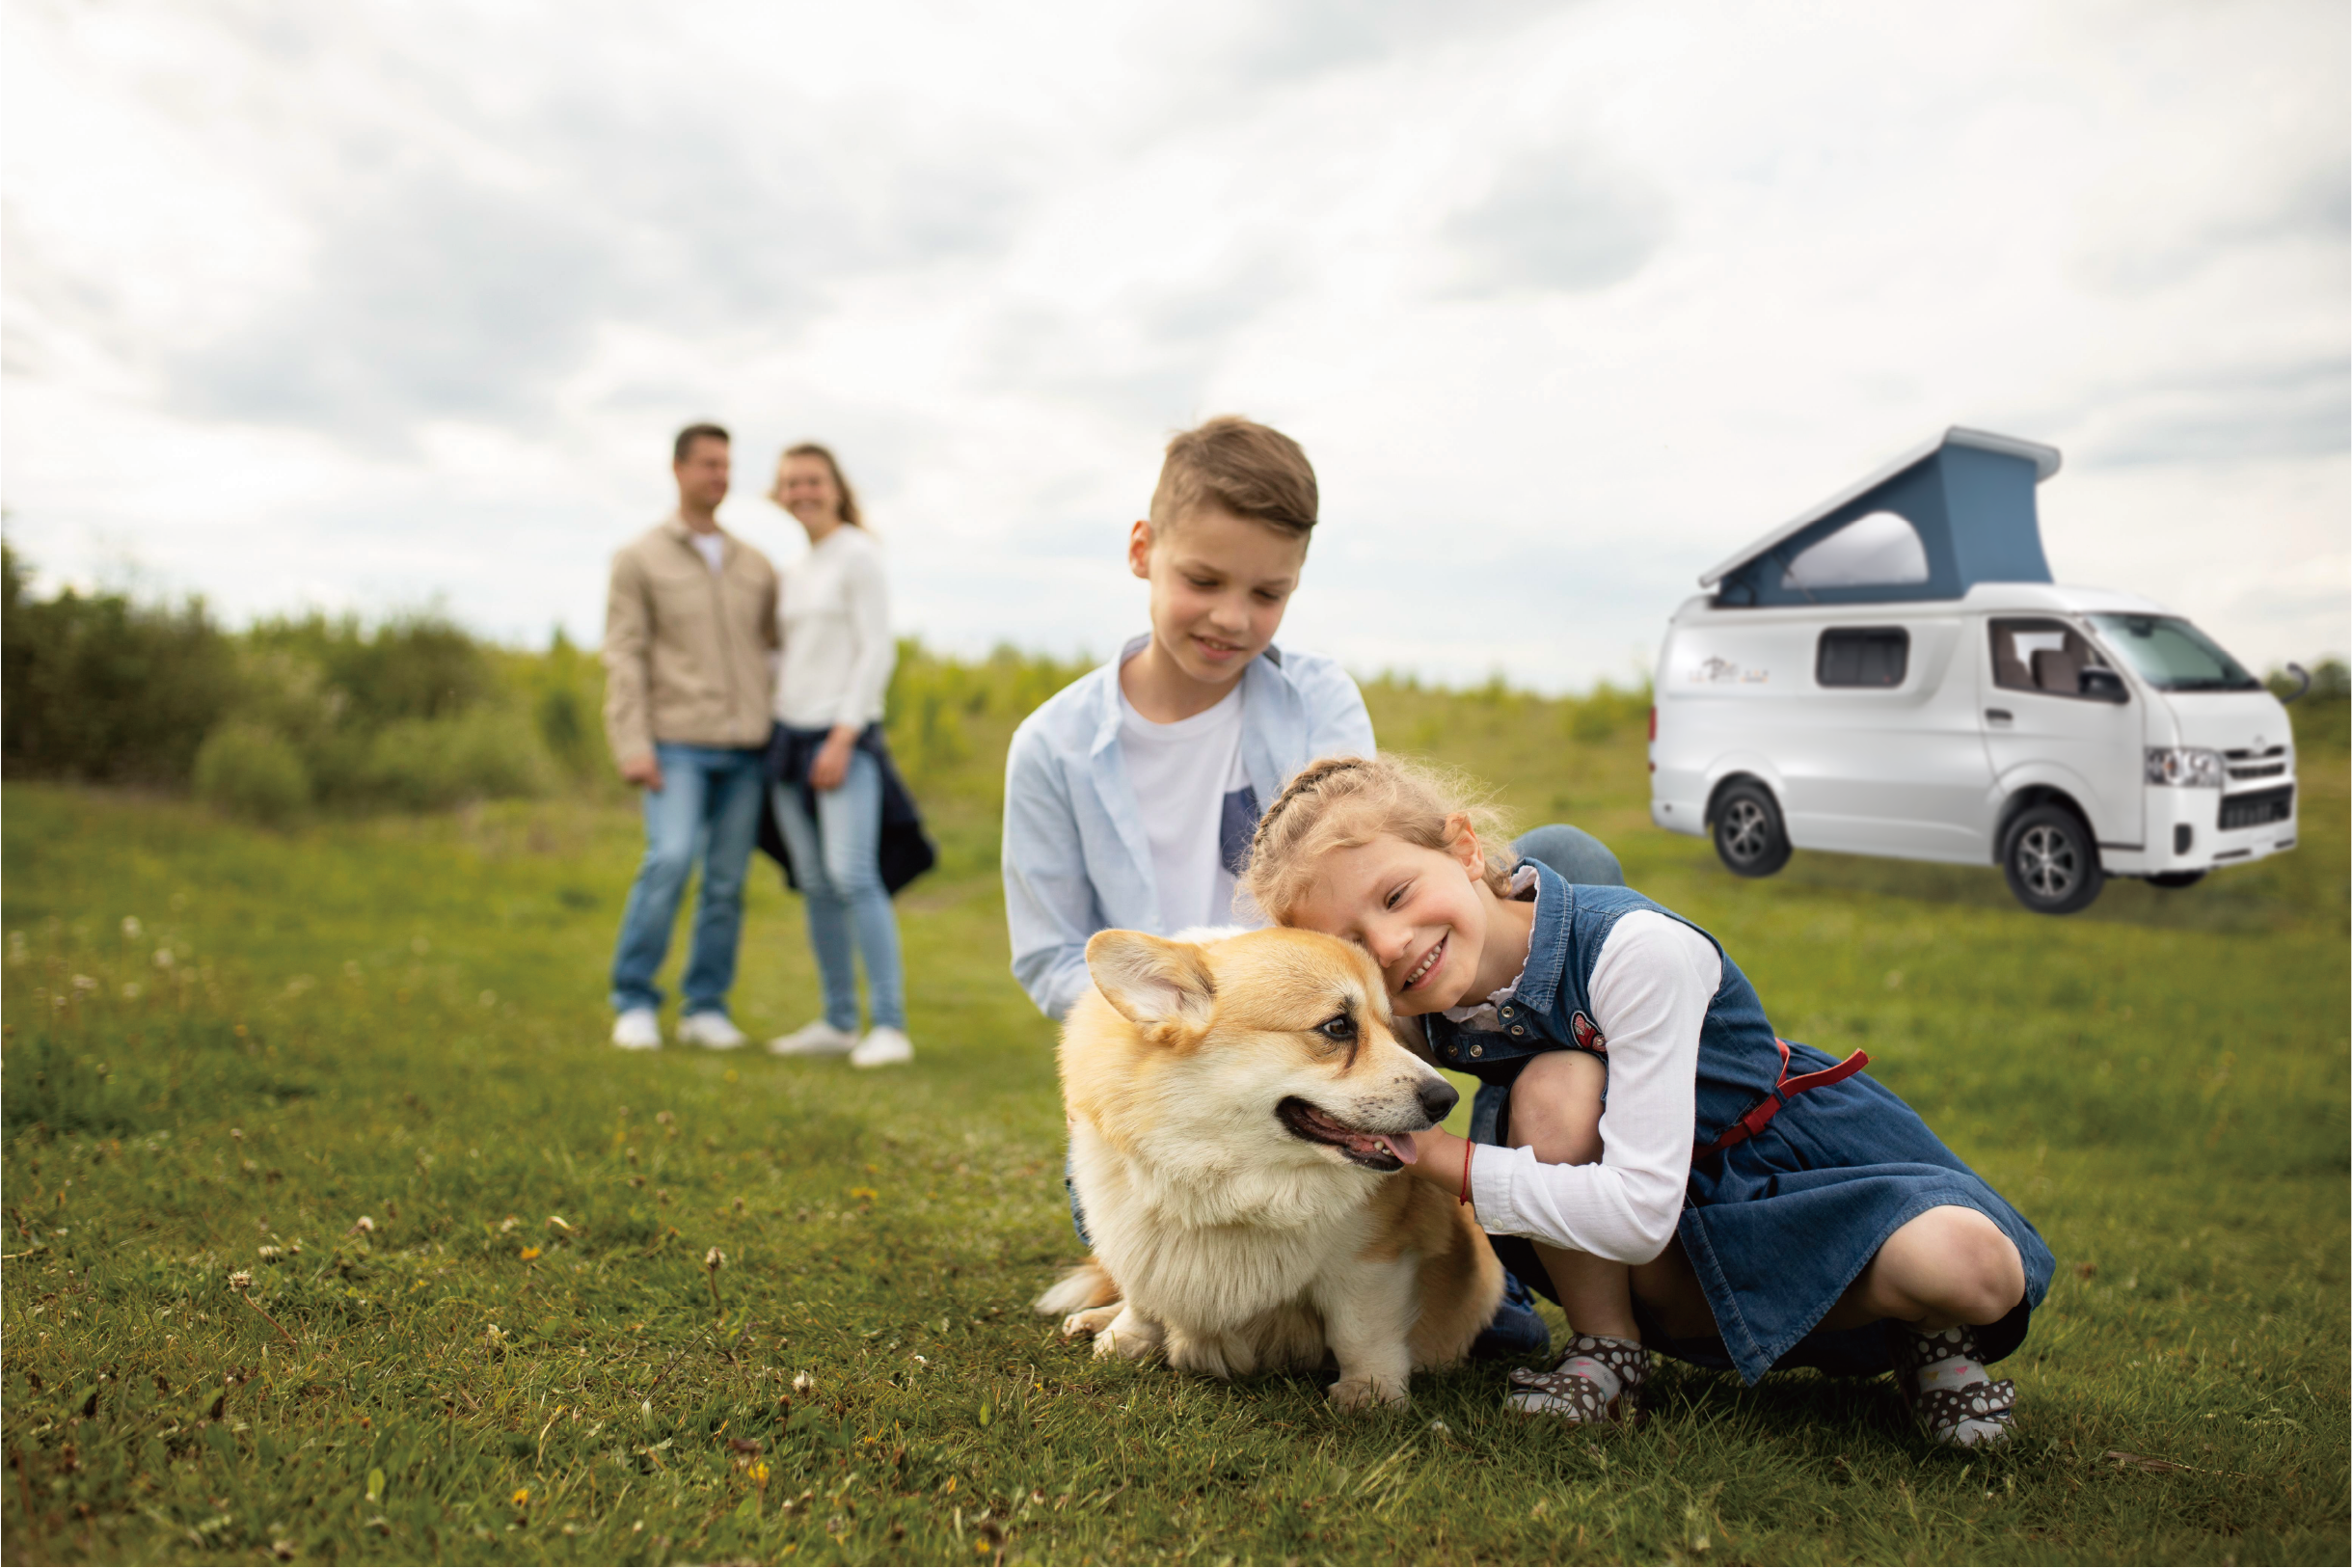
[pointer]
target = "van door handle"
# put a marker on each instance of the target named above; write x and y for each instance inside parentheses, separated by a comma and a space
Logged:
(1999, 716)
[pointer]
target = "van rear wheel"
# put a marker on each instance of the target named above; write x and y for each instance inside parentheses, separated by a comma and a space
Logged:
(1749, 836)
(2052, 861)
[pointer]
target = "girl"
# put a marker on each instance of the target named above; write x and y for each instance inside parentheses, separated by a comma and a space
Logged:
(829, 802)
(1732, 1199)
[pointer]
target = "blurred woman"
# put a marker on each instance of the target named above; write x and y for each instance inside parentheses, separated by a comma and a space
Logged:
(830, 777)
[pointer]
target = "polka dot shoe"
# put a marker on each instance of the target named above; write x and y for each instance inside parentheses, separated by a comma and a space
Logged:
(1943, 1377)
(1597, 1380)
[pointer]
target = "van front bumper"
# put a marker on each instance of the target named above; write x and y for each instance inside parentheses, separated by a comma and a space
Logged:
(2191, 830)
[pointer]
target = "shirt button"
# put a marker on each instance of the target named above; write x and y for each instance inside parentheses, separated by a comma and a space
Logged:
(1477, 1050)
(1516, 1030)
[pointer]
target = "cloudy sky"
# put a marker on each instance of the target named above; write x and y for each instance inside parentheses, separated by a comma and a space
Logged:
(379, 305)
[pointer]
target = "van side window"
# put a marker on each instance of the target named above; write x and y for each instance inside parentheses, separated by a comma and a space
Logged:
(2041, 656)
(1870, 656)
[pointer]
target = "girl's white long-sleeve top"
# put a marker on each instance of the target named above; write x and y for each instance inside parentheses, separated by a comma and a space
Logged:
(1650, 989)
(838, 652)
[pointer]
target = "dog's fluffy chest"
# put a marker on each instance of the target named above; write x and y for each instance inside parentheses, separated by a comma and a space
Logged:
(1213, 1264)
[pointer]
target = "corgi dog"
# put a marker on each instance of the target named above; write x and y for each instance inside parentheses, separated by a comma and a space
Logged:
(1238, 1108)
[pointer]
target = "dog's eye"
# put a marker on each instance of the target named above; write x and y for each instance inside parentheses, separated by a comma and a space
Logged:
(1339, 1030)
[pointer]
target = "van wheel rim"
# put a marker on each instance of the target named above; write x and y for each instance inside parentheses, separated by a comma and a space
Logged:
(1743, 830)
(2048, 863)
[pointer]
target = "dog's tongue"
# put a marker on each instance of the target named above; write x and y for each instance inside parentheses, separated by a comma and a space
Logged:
(1402, 1145)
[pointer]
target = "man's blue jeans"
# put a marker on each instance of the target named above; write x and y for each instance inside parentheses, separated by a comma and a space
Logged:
(707, 809)
(837, 859)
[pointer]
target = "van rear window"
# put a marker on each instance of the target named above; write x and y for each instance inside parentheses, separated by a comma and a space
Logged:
(1862, 656)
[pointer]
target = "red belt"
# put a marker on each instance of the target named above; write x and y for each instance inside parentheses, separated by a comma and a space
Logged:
(1759, 1116)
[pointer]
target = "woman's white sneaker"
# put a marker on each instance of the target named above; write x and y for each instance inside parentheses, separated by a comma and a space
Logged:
(818, 1038)
(639, 1029)
(885, 1047)
(712, 1031)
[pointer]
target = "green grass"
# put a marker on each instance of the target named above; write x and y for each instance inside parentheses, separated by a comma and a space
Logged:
(401, 1018)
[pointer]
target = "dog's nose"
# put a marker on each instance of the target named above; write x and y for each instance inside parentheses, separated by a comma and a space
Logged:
(1437, 1101)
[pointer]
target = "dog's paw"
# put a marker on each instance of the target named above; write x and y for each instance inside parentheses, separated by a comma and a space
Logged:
(1362, 1393)
(1125, 1344)
(1130, 1334)
(1091, 1322)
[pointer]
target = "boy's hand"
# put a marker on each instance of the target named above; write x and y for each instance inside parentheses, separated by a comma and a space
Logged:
(643, 772)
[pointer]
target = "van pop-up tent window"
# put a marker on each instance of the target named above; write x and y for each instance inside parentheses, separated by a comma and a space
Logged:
(1880, 549)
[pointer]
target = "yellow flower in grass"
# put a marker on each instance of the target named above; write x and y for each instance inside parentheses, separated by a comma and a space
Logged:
(867, 1193)
(522, 1497)
(530, 1253)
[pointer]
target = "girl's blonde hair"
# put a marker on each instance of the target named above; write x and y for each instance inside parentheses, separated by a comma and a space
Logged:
(1342, 802)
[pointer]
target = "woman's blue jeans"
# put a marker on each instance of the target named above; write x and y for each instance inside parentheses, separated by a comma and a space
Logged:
(837, 860)
(708, 808)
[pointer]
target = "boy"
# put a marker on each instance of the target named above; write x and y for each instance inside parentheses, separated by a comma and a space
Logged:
(1131, 793)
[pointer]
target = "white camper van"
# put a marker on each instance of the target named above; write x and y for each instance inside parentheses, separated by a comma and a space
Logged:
(1895, 674)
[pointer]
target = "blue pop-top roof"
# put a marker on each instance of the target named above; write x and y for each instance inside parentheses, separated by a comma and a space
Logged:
(1967, 494)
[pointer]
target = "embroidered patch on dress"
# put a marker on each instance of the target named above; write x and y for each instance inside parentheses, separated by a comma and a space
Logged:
(1588, 1036)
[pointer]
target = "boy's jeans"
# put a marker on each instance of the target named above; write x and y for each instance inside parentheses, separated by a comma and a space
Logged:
(708, 808)
(837, 859)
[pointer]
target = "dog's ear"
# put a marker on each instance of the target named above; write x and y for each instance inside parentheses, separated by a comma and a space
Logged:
(1152, 981)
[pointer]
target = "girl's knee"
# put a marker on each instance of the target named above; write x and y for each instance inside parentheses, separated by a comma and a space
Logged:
(1555, 1107)
(1972, 1271)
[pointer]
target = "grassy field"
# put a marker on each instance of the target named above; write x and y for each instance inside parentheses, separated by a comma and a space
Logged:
(361, 1063)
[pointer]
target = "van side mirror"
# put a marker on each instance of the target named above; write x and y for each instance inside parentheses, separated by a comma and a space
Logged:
(2103, 686)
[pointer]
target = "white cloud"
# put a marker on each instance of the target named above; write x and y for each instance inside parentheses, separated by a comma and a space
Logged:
(372, 305)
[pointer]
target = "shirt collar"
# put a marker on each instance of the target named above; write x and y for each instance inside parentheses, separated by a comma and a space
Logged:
(1539, 983)
(675, 527)
(1107, 699)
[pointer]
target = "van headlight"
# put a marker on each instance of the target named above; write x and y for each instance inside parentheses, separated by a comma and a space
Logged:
(2184, 766)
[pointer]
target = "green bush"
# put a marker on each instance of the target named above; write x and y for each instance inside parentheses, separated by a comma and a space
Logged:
(412, 666)
(102, 688)
(247, 770)
(483, 754)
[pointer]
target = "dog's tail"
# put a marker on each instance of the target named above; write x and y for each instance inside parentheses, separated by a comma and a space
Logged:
(1089, 1285)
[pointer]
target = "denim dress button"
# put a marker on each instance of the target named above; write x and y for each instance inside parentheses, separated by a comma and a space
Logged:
(1516, 1030)
(1477, 1050)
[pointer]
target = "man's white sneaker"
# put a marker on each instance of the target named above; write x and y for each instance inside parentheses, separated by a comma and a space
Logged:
(712, 1031)
(818, 1038)
(885, 1047)
(639, 1029)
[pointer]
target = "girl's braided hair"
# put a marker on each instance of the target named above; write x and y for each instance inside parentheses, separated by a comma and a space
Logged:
(1342, 802)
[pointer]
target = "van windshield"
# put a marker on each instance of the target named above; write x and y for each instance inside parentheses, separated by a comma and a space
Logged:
(2170, 654)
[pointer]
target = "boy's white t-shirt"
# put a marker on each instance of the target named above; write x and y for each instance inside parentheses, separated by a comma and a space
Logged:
(1198, 806)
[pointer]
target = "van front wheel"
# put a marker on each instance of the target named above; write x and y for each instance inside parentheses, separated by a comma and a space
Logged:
(1749, 836)
(2052, 861)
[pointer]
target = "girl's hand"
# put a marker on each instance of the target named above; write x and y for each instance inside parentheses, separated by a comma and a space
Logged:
(832, 761)
(1439, 1159)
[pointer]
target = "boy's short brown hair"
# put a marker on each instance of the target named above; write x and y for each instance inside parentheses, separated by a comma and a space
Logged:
(1247, 469)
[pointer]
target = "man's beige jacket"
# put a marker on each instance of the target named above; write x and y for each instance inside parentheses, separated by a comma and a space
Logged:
(688, 651)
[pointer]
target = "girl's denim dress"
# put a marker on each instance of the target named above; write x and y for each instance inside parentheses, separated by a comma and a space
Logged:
(1783, 1219)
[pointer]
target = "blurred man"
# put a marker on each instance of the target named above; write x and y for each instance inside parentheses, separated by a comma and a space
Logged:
(689, 631)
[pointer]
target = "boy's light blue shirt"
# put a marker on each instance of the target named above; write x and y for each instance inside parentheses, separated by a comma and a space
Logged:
(1075, 856)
